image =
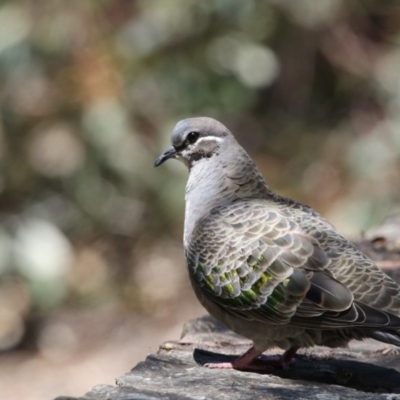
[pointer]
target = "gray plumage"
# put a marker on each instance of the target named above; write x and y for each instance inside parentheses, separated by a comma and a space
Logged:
(269, 268)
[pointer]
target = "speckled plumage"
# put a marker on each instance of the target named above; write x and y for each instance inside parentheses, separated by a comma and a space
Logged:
(271, 269)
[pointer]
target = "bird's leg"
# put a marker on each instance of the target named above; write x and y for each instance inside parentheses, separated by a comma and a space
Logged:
(289, 353)
(287, 357)
(243, 362)
(272, 360)
(250, 361)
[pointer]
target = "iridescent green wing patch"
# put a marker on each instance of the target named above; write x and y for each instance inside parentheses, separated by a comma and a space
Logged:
(258, 263)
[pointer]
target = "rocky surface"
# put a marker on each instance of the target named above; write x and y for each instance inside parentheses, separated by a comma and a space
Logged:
(364, 370)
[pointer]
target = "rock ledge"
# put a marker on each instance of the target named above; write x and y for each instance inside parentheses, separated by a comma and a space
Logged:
(365, 370)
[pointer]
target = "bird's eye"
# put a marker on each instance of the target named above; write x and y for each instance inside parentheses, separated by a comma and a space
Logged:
(192, 137)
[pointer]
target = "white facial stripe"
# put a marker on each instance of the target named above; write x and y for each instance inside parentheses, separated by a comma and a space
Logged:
(209, 139)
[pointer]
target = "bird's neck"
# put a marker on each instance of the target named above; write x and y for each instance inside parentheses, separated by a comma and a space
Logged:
(213, 182)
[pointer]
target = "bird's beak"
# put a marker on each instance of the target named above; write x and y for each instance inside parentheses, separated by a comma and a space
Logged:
(169, 153)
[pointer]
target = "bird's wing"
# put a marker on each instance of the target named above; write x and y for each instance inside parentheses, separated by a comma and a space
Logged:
(255, 262)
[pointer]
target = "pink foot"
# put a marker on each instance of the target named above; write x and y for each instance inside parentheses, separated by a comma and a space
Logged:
(249, 361)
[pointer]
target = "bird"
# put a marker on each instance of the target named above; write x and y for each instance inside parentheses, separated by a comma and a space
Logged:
(269, 268)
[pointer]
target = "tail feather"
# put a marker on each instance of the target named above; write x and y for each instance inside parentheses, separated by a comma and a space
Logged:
(371, 316)
(391, 337)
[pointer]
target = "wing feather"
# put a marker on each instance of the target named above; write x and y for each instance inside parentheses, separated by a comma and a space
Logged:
(259, 262)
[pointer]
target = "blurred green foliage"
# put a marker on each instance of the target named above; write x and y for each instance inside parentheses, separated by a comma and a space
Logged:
(90, 91)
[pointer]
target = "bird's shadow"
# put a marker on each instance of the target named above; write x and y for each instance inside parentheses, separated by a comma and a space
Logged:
(359, 375)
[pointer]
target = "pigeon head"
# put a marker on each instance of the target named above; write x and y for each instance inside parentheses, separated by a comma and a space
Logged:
(196, 139)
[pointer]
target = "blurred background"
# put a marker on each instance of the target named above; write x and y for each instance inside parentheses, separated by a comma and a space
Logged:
(92, 275)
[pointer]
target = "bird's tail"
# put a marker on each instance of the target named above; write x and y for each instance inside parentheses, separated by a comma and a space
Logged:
(391, 337)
